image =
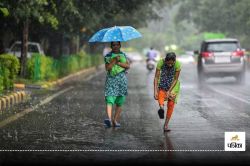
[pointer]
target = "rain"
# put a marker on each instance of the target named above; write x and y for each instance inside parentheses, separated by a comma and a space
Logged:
(61, 60)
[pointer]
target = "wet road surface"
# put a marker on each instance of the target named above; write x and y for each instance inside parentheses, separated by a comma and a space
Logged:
(69, 128)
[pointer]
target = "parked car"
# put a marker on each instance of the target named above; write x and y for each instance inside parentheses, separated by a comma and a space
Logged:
(33, 47)
(220, 58)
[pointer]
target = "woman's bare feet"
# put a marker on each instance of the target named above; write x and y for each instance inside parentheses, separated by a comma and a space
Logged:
(165, 128)
(116, 124)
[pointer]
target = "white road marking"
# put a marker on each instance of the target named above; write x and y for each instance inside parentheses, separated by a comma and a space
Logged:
(229, 95)
(26, 111)
(187, 86)
(93, 75)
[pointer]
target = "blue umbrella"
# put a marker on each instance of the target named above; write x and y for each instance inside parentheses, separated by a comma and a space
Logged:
(116, 33)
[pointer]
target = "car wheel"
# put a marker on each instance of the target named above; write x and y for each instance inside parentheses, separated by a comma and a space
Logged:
(201, 76)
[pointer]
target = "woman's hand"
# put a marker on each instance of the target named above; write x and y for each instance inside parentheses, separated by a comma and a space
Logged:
(172, 96)
(167, 93)
(113, 61)
(117, 59)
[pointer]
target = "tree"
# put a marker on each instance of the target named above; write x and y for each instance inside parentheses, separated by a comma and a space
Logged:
(3, 10)
(24, 11)
(231, 17)
(80, 19)
(62, 23)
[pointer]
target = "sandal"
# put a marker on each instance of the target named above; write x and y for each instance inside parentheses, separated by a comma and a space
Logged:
(116, 124)
(166, 130)
(107, 122)
(161, 113)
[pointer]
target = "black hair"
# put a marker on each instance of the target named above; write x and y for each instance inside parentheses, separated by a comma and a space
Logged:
(115, 41)
(170, 56)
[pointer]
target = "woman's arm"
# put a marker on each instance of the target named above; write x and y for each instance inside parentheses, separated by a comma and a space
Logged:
(116, 61)
(109, 66)
(124, 65)
(157, 75)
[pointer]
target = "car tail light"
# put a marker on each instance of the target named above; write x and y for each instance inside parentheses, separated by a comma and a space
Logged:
(238, 53)
(207, 54)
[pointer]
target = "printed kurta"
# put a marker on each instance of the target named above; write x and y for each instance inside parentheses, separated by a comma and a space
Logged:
(116, 80)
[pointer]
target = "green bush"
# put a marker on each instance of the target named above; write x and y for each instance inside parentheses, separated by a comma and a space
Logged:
(72, 63)
(41, 68)
(9, 68)
(47, 71)
(64, 66)
(46, 68)
(52, 71)
(1, 84)
(84, 59)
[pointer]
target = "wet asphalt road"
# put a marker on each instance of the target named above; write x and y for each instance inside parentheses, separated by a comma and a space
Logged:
(73, 121)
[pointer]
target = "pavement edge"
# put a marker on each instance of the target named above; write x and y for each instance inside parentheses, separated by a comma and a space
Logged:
(9, 100)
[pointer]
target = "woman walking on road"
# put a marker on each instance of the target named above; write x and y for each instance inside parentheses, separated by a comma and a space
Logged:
(116, 86)
(167, 85)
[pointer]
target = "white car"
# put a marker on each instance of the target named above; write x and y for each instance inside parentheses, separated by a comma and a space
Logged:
(185, 58)
(33, 47)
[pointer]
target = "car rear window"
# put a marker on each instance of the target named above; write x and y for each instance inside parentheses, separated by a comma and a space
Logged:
(222, 47)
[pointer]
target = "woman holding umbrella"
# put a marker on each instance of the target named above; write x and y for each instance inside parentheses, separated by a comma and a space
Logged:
(116, 65)
(116, 83)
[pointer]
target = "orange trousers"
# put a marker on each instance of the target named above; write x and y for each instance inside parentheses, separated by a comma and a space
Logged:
(163, 96)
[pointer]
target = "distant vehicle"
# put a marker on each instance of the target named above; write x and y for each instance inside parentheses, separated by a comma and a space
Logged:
(33, 47)
(151, 64)
(221, 57)
(185, 58)
(134, 56)
(158, 56)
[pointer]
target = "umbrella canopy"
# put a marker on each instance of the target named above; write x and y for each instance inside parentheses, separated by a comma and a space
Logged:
(116, 33)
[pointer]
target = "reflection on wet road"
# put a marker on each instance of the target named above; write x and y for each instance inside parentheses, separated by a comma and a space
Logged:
(74, 121)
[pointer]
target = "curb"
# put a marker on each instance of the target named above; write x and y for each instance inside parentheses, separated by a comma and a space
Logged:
(61, 81)
(57, 82)
(17, 97)
(12, 99)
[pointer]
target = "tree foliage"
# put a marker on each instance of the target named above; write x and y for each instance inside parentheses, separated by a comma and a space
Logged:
(55, 21)
(40, 10)
(227, 16)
